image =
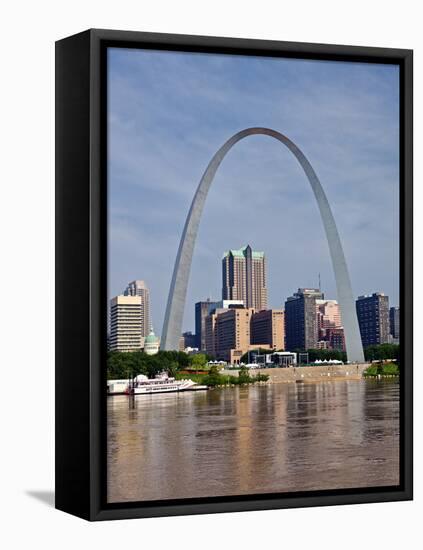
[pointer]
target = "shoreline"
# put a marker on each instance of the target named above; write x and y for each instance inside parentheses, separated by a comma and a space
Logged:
(311, 374)
(304, 375)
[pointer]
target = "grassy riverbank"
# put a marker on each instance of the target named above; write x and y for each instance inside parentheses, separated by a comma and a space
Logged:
(382, 369)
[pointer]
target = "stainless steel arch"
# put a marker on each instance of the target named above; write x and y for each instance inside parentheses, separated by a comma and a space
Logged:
(177, 293)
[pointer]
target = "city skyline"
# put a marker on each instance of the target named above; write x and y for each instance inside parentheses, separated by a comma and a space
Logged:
(145, 226)
(228, 329)
(223, 304)
(214, 300)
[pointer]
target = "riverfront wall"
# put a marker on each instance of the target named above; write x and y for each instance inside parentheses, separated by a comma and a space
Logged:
(311, 374)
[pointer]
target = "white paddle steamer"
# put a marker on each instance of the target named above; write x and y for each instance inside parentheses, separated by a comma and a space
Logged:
(162, 383)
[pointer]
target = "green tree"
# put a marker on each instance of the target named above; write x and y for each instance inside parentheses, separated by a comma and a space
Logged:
(125, 365)
(214, 378)
(129, 364)
(381, 352)
(261, 377)
(382, 369)
(198, 361)
(183, 360)
(244, 376)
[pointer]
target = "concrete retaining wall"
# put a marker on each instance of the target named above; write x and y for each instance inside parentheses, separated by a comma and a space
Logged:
(310, 374)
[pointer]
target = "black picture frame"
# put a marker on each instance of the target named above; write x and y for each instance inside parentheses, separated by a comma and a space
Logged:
(81, 238)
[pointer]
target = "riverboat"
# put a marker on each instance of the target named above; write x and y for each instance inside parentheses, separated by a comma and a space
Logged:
(162, 383)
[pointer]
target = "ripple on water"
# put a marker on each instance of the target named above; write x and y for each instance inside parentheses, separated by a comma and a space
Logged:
(274, 438)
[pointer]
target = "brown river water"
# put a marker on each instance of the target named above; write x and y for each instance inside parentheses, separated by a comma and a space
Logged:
(250, 440)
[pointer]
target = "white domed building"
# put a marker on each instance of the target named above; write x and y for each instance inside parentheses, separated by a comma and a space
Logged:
(151, 343)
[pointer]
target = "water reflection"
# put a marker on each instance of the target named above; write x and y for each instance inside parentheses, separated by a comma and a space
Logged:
(275, 438)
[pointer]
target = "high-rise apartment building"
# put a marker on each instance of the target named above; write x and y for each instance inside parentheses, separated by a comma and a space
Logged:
(301, 325)
(394, 322)
(125, 323)
(373, 318)
(244, 277)
(268, 327)
(139, 288)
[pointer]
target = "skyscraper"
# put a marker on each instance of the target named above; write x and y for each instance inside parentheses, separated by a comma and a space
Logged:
(328, 314)
(187, 340)
(335, 338)
(329, 324)
(202, 309)
(232, 333)
(394, 322)
(301, 326)
(210, 331)
(244, 277)
(139, 288)
(373, 318)
(210, 322)
(125, 323)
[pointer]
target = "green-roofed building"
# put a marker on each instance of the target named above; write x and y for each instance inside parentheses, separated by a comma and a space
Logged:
(244, 277)
(151, 343)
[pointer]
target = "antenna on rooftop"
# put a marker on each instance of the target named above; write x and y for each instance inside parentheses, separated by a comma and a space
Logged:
(320, 285)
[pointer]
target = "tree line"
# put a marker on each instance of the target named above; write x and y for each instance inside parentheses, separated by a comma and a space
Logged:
(125, 365)
(215, 378)
(382, 352)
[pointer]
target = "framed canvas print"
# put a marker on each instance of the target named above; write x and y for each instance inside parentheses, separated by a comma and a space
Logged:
(234, 274)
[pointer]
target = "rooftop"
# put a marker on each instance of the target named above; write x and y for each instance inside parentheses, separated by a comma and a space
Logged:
(241, 253)
(375, 294)
(151, 338)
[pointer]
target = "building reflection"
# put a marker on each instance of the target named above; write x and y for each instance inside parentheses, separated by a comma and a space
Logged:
(258, 439)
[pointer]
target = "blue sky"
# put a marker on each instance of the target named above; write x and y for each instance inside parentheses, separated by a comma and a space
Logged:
(168, 114)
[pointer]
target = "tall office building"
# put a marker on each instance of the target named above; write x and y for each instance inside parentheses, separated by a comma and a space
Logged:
(329, 324)
(328, 315)
(202, 309)
(187, 340)
(335, 338)
(301, 326)
(232, 333)
(244, 277)
(210, 322)
(394, 322)
(139, 288)
(268, 327)
(125, 324)
(210, 331)
(373, 318)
